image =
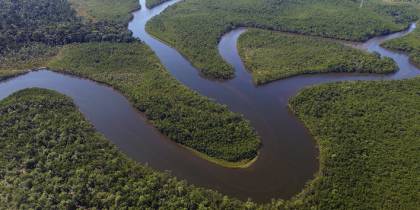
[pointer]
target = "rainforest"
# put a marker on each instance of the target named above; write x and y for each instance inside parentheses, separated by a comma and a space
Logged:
(209, 104)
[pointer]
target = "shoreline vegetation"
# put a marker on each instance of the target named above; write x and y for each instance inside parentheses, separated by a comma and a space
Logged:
(409, 44)
(366, 140)
(223, 137)
(271, 56)
(194, 27)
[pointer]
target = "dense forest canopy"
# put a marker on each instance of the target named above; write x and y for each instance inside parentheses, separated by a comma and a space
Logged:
(51, 157)
(194, 26)
(51, 22)
(369, 136)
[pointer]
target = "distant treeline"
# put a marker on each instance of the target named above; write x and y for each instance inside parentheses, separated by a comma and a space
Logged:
(195, 26)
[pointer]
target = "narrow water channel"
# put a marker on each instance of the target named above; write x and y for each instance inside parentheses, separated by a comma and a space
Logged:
(288, 158)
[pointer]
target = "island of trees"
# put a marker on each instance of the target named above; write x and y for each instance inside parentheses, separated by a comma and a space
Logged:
(272, 55)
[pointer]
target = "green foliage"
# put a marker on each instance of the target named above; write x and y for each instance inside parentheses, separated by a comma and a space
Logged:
(108, 10)
(409, 1)
(194, 26)
(181, 114)
(369, 140)
(409, 44)
(153, 3)
(51, 158)
(273, 55)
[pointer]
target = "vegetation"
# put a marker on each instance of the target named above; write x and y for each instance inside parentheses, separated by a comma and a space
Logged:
(53, 23)
(272, 55)
(105, 10)
(181, 114)
(409, 44)
(369, 139)
(194, 26)
(153, 3)
(51, 158)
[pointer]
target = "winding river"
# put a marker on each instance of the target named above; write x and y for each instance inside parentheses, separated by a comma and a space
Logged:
(288, 158)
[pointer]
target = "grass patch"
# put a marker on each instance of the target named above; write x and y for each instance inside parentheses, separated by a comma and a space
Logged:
(369, 139)
(195, 26)
(181, 114)
(272, 55)
(108, 10)
(409, 44)
(52, 158)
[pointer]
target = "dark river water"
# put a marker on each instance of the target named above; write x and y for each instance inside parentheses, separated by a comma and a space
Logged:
(288, 158)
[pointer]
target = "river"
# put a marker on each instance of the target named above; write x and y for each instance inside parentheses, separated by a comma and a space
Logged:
(288, 158)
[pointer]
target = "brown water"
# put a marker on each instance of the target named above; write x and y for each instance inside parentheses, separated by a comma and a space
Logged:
(288, 158)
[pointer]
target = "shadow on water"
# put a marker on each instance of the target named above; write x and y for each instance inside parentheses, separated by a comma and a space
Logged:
(288, 158)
